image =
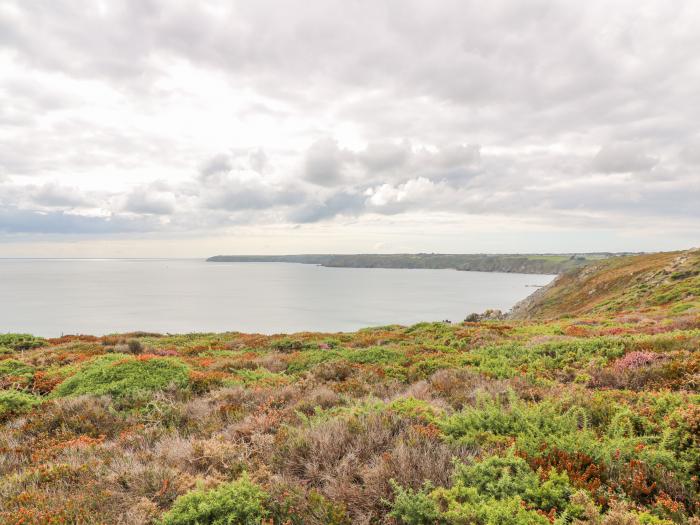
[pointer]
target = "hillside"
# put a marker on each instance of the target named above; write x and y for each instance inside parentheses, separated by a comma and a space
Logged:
(619, 284)
(583, 409)
(508, 263)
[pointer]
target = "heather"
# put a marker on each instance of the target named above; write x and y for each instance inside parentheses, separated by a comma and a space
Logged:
(583, 408)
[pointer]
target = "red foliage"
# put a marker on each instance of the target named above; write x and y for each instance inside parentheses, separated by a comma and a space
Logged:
(583, 472)
(576, 331)
(635, 482)
(70, 338)
(201, 382)
(42, 384)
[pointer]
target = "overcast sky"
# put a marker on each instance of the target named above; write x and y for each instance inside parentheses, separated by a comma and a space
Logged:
(166, 128)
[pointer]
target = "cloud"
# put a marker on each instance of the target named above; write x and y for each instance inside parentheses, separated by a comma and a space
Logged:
(55, 195)
(383, 156)
(691, 154)
(343, 202)
(149, 201)
(258, 160)
(221, 163)
(245, 191)
(324, 163)
(169, 116)
(622, 158)
(18, 221)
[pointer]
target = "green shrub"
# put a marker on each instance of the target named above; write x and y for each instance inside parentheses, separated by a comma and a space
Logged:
(498, 477)
(554, 493)
(464, 506)
(120, 375)
(240, 502)
(376, 356)
(412, 507)
(13, 402)
(15, 369)
(308, 359)
(495, 420)
(21, 341)
(501, 490)
(415, 409)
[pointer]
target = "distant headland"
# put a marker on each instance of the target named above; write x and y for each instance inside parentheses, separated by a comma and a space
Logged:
(546, 263)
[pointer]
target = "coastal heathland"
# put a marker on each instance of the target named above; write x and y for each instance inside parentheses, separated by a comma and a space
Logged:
(580, 408)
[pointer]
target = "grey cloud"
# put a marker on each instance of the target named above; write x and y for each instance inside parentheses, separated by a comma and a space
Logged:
(236, 194)
(622, 158)
(341, 203)
(55, 195)
(221, 163)
(691, 154)
(147, 201)
(18, 221)
(258, 160)
(458, 155)
(381, 156)
(324, 163)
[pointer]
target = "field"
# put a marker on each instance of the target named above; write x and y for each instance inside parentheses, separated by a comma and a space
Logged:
(581, 408)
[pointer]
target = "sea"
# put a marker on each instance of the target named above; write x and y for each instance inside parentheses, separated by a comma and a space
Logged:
(54, 297)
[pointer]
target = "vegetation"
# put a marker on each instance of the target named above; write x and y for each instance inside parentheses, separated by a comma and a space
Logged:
(582, 408)
(120, 375)
(237, 502)
(518, 263)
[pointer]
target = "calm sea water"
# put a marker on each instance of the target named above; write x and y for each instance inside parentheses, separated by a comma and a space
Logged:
(50, 297)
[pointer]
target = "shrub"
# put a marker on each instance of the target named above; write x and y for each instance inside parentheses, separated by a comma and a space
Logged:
(292, 505)
(135, 346)
(124, 376)
(13, 402)
(376, 356)
(498, 477)
(464, 506)
(21, 341)
(553, 493)
(412, 507)
(634, 360)
(494, 420)
(83, 415)
(14, 372)
(336, 370)
(239, 502)
(504, 491)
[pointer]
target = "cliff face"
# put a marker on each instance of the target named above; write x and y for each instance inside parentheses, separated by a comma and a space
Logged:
(618, 284)
(508, 263)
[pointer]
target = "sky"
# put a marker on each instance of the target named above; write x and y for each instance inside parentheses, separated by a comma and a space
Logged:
(164, 128)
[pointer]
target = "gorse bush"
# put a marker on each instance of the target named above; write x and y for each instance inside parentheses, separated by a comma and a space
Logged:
(123, 376)
(498, 489)
(15, 373)
(494, 419)
(21, 341)
(13, 402)
(498, 477)
(239, 502)
(414, 507)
